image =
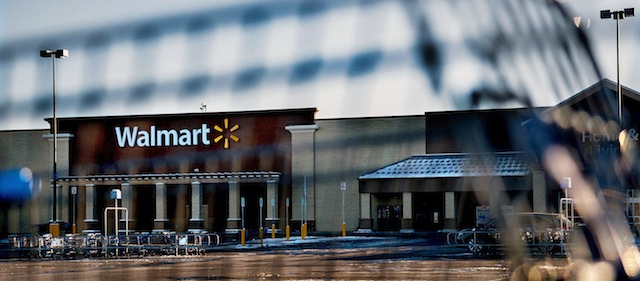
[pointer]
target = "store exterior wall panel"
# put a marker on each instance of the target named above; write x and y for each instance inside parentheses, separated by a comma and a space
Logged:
(346, 149)
(28, 148)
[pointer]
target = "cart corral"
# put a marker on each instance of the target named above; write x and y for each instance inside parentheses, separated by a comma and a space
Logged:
(492, 242)
(544, 233)
(110, 246)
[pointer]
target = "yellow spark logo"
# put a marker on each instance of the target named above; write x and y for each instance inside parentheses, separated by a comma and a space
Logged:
(230, 131)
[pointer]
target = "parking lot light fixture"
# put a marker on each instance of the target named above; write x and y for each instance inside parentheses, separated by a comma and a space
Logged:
(54, 227)
(617, 16)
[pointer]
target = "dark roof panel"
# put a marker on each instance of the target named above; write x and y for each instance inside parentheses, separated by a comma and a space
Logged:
(455, 165)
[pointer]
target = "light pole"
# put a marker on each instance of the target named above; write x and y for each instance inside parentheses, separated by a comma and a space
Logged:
(74, 193)
(343, 187)
(243, 231)
(54, 227)
(618, 15)
(260, 228)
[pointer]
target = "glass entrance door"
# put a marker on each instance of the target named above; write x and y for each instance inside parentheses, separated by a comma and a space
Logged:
(633, 211)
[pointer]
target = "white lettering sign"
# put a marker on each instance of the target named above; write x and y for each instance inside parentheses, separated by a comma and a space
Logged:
(130, 137)
(590, 137)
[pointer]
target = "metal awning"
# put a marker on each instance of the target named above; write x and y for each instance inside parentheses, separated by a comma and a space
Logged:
(170, 178)
(455, 165)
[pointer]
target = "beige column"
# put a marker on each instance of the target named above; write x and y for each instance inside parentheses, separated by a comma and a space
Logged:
(234, 221)
(272, 204)
(64, 199)
(13, 217)
(91, 223)
(127, 202)
(366, 223)
(196, 222)
(496, 199)
(450, 210)
(61, 204)
(303, 171)
(161, 222)
(407, 211)
(539, 185)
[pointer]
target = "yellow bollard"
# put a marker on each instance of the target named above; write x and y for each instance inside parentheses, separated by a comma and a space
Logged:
(54, 229)
(344, 229)
(261, 230)
(287, 232)
(273, 231)
(242, 235)
(303, 231)
(73, 229)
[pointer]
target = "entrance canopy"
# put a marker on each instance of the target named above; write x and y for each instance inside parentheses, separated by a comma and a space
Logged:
(455, 165)
(170, 178)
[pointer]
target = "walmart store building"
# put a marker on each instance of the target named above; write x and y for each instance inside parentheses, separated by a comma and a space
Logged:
(192, 172)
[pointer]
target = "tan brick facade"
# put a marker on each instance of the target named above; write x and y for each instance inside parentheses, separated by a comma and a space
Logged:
(32, 149)
(345, 149)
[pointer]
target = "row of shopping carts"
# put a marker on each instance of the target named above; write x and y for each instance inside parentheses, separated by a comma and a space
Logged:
(109, 246)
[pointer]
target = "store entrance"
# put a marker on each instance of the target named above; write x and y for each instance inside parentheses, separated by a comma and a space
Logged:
(388, 211)
(252, 192)
(428, 211)
(633, 212)
(215, 206)
(144, 209)
(466, 210)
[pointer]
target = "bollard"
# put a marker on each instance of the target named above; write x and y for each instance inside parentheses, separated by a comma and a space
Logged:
(344, 229)
(287, 232)
(303, 231)
(74, 229)
(261, 235)
(242, 235)
(273, 231)
(54, 229)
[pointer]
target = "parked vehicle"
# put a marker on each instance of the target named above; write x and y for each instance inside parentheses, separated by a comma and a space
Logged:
(542, 232)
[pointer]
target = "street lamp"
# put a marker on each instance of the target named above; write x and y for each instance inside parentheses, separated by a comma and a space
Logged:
(54, 227)
(618, 15)
(343, 187)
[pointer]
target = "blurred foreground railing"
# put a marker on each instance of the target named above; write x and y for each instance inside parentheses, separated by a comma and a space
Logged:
(110, 246)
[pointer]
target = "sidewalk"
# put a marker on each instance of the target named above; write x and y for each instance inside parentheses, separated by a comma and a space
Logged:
(294, 241)
(359, 241)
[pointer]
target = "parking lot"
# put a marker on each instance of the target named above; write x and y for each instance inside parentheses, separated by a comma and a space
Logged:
(315, 258)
